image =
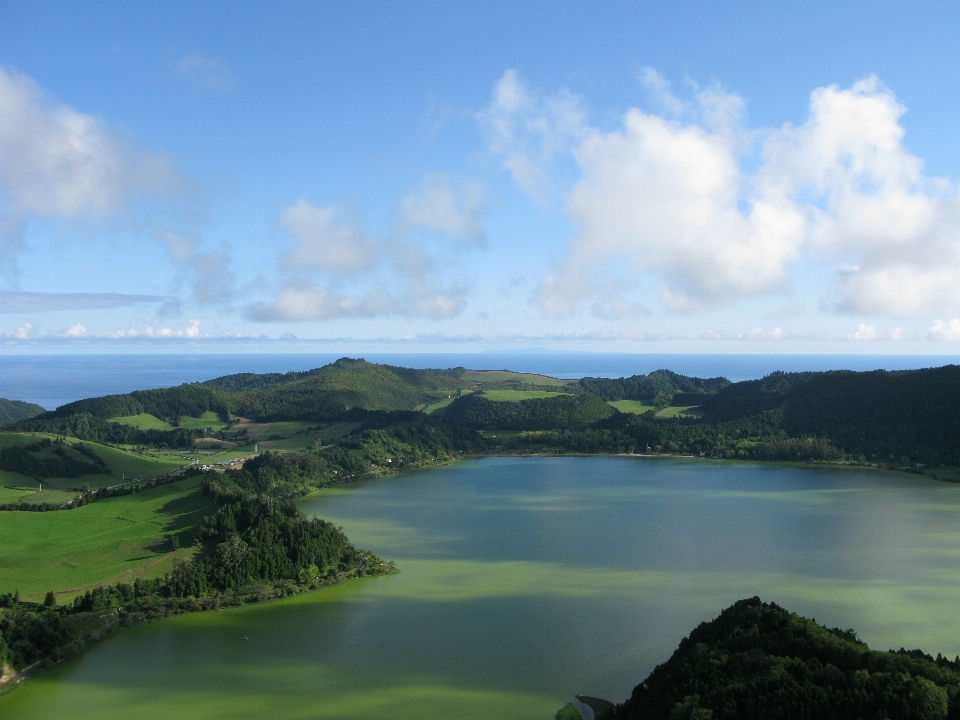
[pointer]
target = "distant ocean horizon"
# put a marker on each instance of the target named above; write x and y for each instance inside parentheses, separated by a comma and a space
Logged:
(54, 380)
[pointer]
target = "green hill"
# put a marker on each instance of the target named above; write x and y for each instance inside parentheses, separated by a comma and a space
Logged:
(327, 392)
(13, 410)
(757, 661)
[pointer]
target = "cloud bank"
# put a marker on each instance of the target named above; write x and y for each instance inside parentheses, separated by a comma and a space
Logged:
(693, 210)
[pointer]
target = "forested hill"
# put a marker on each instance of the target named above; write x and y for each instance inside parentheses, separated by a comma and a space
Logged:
(333, 389)
(13, 410)
(757, 661)
(320, 394)
(908, 413)
(660, 386)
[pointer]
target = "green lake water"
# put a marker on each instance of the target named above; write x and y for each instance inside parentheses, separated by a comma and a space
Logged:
(526, 580)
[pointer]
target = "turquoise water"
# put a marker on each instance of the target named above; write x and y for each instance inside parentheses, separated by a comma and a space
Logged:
(527, 580)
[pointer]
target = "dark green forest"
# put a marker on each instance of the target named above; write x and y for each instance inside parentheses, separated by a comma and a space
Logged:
(757, 661)
(13, 410)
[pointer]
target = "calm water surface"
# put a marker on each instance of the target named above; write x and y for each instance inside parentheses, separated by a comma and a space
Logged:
(526, 580)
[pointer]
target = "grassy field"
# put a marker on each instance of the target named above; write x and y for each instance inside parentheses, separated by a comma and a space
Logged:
(132, 465)
(72, 549)
(518, 395)
(307, 440)
(631, 406)
(494, 376)
(143, 421)
(286, 429)
(127, 465)
(208, 420)
(8, 439)
(679, 412)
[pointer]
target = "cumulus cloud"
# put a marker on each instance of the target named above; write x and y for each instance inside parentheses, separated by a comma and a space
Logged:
(949, 330)
(872, 202)
(75, 330)
(336, 269)
(65, 166)
(23, 332)
(665, 197)
(527, 129)
(206, 73)
(708, 212)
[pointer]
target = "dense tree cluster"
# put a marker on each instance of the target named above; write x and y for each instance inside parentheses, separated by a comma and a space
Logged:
(757, 661)
(13, 410)
(647, 388)
(562, 411)
(28, 636)
(170, 404)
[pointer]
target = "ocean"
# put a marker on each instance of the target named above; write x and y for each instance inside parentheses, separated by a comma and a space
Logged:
(53, 380)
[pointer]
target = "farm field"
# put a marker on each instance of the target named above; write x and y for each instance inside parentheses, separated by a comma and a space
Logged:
(635, 407)
(492, 376)
(8, 439)
(291, 441)
(209, 420)
(73, 549)
(518, 395)
(679, 412)
(132, 465)
(143, 421)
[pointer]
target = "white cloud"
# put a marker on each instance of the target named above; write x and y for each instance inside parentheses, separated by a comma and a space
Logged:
(527, 130)
(659, 88)
(710, 213)
(208, 73)
(326, 241)
(450, 209)
(191, 331)
(23, 332)
(870, 202)
(63, 164)
(665, 197)
(310, 303)
(866, 332)
(338, 270)
(945, 330)
(75, 330)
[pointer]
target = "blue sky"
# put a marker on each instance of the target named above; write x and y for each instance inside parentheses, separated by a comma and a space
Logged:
(652, 176)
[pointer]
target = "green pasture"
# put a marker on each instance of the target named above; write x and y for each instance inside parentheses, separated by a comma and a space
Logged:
(143, 421)
(680, 412)
(67, 550)
(209, 420)
(518, 395)
(635, 407)
(8, 439)
(438, 406)
(495, 376)
(134, 465)
(306, 440)
(223, 456)
(287, 429)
